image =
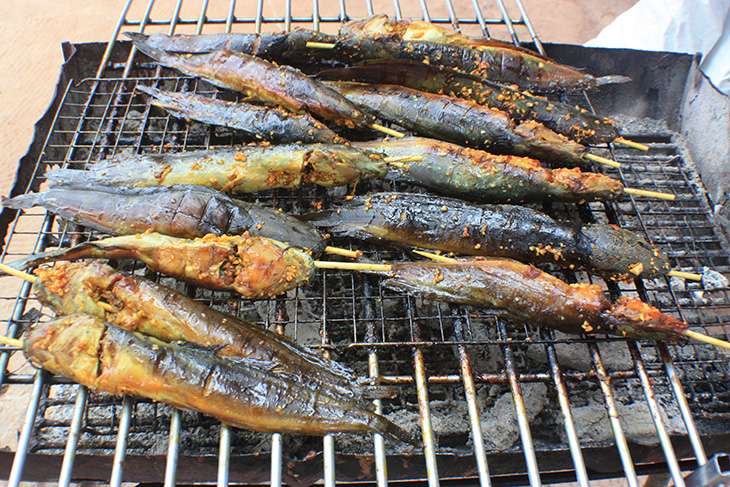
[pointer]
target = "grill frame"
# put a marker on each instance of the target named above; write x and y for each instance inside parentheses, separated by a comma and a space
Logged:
(510, 376)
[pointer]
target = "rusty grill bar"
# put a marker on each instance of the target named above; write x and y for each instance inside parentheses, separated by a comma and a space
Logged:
(444, 359)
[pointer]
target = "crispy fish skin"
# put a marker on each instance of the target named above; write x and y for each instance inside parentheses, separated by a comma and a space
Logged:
(244, 393)
(143, 306)
(530, 295)
(263, 81)
(239, 171)
(254, 267)
(262, 122)
(499, 61)
(521, 233)
(578, 124)
(463, 122)
(480, 176)
(179, 211)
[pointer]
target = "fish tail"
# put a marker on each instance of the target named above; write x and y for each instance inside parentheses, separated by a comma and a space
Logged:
(389, 428)
(21, 202)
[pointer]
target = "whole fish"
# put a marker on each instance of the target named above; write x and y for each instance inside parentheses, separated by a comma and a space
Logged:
(259, 121)
(254, 267)
(179, 211)
(578, 124)
(244, 393)
(532, 296)
(263, 81)
(521, 233)
(463, 122)
(383, 37)
(138, 304)
(480, 176)
(239, 170)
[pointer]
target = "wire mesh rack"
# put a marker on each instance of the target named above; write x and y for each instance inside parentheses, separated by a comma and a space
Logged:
(496, 402)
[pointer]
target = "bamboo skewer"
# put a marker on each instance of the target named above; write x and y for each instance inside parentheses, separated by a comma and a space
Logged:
(15, 272)
(353, 254)
(386, 130)
(352, 266)
(320, 45)
(685, 275)
(436, 257)
(631, 143)
(707, 339)
(601, 160)
(11, 342)
(650, 194)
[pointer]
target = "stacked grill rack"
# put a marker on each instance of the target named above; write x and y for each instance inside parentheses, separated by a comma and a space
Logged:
(496, 402)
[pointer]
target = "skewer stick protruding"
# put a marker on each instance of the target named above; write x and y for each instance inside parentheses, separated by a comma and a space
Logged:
(11, 342)
(650, 194)
(352, 266)
(601, 160)
(15, 272)
(353, 254)
(436, 257)
(386, 130)
(685, 275)
(707, 339)
(631, 143)
(320, 45)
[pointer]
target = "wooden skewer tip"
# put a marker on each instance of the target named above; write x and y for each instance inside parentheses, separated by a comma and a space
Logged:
(707, 339)
(386, 130)
(691, 276)
(631, 143)
(650, 194)
(601, 160)
(320, 45)
(353, 254)
(352, 266)
(15, 272)
(436, 257)
(11, 342)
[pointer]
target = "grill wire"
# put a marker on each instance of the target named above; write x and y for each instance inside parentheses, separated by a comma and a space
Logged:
(435, 354)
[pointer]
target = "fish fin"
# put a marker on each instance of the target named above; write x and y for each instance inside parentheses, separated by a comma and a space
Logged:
(386, 426)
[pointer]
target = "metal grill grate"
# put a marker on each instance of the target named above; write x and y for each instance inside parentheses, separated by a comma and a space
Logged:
(495, 401)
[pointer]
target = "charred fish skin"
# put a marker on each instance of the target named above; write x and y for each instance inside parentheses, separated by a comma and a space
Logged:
(254, 267)
(261, 122)
(575, 123)
(180, 211)
(527, 294)
(463, 122)
(239, 171)
(517, 232)
(158, 311)
(479, 176)
(263, 81)
(244, 393)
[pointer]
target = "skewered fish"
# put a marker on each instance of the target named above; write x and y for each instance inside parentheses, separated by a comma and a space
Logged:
(245, 393)
(575, 123)
(463, 122)
(254, 267)
(530, 295)
(240, 170)
(476, 175)
(450, 225)
(137, 304)
(262, 122)
(179, 211)
(263, 81)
